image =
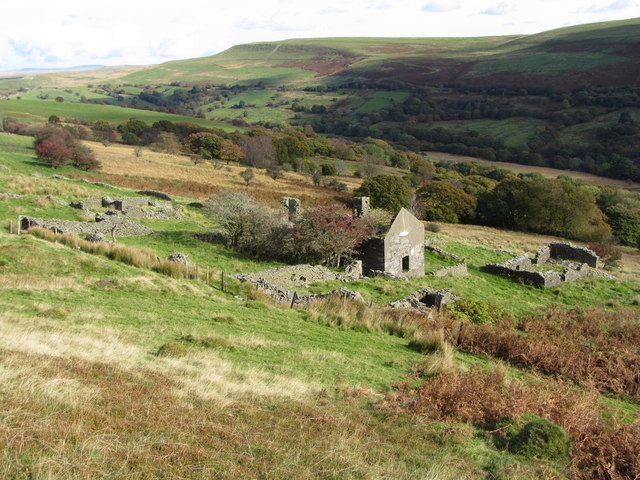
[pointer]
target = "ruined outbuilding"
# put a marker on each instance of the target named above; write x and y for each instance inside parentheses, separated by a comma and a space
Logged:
(400, 252)
(575, 263)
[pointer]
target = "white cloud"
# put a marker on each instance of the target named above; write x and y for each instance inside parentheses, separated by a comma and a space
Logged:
(440, 6)
(41, 33)
(498, 9)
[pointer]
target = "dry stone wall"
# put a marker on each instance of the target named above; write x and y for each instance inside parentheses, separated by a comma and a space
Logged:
(132, 207)
(123, 228)
(294, 276)
(422, 300)
(560, 253)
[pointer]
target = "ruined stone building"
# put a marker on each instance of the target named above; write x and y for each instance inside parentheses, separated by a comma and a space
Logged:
(399, 252)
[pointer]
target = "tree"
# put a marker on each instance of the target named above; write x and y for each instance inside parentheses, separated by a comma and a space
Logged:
(259, 151)
(326, 234)
(275, 172)
(205, 144)
(103, 131)
(445, 202)
(132, 131)
(230, 152)
(247, 175)
(54, 119)
(544, 206)
(386, 191)
(166, 142)
(625, 224)
(249, 227)
(237, 214)
(57, 147)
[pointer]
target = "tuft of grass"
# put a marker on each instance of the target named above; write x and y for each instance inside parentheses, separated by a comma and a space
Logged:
(427, 341)
(171, 349)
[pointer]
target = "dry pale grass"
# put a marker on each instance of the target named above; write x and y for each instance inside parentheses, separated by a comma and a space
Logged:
(46, 186)
(30, 282)
(544, 171)
(201, 373)
(178, 175)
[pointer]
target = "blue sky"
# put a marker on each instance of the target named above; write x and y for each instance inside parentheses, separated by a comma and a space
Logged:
(45, 34)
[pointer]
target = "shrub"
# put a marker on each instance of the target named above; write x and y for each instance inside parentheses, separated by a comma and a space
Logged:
(386, 191)
(541, 438)
(477, 311)
(609, 254)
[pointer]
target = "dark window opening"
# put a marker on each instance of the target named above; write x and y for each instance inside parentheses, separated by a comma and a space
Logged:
(405, 263)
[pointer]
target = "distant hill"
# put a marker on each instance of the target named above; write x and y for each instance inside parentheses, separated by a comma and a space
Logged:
(567, 98)
(603, 53)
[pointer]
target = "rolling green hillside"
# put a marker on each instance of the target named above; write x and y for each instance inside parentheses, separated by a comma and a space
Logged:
(553, 99)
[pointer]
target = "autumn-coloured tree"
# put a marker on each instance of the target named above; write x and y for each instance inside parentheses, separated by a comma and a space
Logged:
(57, 147)
(167, 142)
(208, 145)
(326, 234)
(259, 151)
(230, 152)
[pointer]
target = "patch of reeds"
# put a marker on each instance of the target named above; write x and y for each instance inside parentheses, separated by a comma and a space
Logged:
(140, 257)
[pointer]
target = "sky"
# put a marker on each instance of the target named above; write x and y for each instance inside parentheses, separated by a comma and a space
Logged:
(67, 33)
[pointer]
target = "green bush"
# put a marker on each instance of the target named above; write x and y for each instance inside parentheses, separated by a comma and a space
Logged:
(541, 438)
(476, 311)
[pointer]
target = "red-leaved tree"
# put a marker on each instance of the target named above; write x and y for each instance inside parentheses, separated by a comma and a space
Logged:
(57, 147)
(325, 234)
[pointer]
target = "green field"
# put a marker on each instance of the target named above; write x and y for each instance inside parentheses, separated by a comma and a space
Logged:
(37, 111)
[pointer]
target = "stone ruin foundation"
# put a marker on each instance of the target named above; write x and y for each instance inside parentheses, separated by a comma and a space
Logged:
(132, 207)
(424, 299)
(577, 262)
(115, 226)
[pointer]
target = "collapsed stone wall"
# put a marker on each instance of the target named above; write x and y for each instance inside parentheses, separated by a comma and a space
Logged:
(442, 253)
(560, 253)
(422, 300)
(132, 207)
(295, 299)
(123, 228)
(292, 276)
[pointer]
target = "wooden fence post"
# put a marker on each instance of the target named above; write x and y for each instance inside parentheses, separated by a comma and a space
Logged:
(293, 300)
(19, 223)
(222, 281)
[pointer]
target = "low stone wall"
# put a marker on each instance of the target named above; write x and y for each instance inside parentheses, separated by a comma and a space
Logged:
(156, 194)
(294, 276)
(538, 279)
(293, 298)
(124, 228)
(422, 300)
(569, 251)
(520, 268)
(133, 207)
(442, 253)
